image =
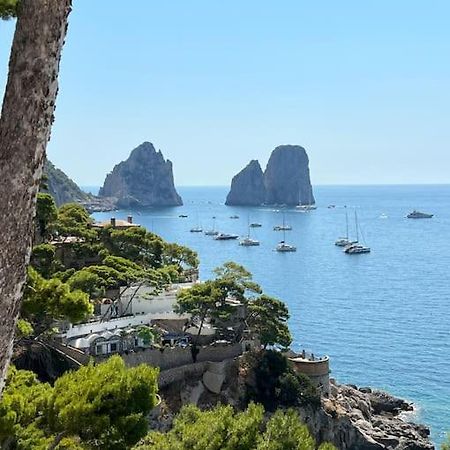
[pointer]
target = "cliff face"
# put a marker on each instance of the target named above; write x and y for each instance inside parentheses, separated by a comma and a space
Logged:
(286, 180)
(144, 179)
(61, 187)
(247, 187)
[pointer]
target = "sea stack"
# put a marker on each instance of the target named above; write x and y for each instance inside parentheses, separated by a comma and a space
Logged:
(286, 180)
(247, 187)
(144, 179)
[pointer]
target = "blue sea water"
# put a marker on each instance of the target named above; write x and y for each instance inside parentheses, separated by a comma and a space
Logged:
(383, 318)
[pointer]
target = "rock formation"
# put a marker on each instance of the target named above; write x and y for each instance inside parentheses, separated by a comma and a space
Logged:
(61, 187)
(247, 187)
(144, 179)
(285, 181)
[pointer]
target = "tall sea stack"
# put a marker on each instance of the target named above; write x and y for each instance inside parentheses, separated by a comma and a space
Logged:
(286, 180)
(144, 179)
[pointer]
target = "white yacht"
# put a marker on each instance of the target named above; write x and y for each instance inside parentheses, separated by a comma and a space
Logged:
(344, 241)
(283, 227)
(283, 247)
(212, 231)
(196, 230)
(419, 215)
(355, 247)
(248, 241)
(225, 237)
(310, 206)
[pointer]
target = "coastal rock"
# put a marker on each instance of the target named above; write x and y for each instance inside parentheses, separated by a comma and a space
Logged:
(61, 187)
(287, 177)
(144, 179)
(286, 180)
(247, 187)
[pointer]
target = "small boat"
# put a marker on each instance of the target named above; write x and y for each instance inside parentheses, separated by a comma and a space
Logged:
(383, 216)
(344, 241)
(234, 217)
(225, 237)
(183, 216)
(196, 230)
(255, 225)
(283, 227)
(355, 248)
(283, 247)
(212, 231)
(248, 241)
(419, 215)
(331, 206)
(305, 208)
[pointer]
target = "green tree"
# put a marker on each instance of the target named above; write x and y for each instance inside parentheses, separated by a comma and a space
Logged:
(96, 407)
(43, 259)
(46, 214)
(8, 9)
(74, 220)
(180, 256)
(88, 282)
(268, 317)
(446, 444)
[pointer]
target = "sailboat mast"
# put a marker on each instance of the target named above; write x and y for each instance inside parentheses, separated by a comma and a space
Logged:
(346, 223)
(356, 225)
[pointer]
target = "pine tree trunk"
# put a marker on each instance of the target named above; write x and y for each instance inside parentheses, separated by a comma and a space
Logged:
(25, 125)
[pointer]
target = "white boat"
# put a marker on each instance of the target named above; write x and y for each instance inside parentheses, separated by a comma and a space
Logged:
(419, 215)
(212, 231)
(344, 241)
(283, 227)
(310, 206)
(248, 241)
(197, 228)
(283, 247)
(225, 237)
(356, 248)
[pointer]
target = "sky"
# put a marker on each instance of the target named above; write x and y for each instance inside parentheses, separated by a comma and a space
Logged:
(363, 86)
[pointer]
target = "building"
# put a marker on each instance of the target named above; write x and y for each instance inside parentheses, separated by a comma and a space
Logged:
(116, 223)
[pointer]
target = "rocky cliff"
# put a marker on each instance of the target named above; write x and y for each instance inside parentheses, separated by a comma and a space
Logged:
(286, 180)
(247, 187)
(61, 187)
(144, 179)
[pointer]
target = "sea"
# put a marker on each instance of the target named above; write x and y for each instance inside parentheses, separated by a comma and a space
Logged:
(383, 317)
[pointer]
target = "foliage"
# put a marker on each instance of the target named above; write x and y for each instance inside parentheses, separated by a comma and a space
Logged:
(179, 256)
(43, 259)
(52, 299)
(268, 318)
(223, 429)
(446, 444)
(277, 384)
(147, 334)
(96, 407)
(88, 282)
(74, 220)
(24, 329)
(8, 9)
(46, 214)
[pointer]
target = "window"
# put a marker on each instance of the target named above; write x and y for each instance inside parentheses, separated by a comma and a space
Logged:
(113, 347)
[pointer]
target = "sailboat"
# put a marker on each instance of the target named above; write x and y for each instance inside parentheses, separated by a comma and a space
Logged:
(197, 228)
(212, 231)
(308, 207)
(283, 227)
(356, 248)
(344, 241)
(248, 241)
(283, 247)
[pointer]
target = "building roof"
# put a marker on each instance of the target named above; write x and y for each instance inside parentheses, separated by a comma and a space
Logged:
(118, 224)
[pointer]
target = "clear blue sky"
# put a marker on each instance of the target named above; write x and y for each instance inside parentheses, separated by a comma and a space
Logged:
(363, 86)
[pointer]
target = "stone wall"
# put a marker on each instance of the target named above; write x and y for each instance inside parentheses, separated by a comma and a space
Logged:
(178, 374)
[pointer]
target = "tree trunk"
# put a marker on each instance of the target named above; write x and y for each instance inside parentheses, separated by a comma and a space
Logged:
(25, 125)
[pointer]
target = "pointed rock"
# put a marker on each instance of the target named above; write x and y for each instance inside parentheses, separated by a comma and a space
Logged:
(144, 179)
(247, 187)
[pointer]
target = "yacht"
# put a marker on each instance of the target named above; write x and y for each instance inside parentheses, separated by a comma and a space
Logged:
(248, 242)
(283, 227)
(196, 230)
(306, 207)
(212, 231)
(225, 237)
(183, 216)
(419, 215)
(255, 225)
(234, 217)
(283, 247)
(355, 248)
(344, 241)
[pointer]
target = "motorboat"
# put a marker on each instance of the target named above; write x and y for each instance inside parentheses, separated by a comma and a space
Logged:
(183, 216)
(419, 215)
(234, 217)
(283, 247)
(248, 242)
(354, 249)
(225, 237)
(305, 208)
(196, 230)
(255, 225)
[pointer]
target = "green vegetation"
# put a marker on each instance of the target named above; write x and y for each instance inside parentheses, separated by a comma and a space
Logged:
(8, 9)
(266, 316)
(46, 214)
(446, 444)
(274, 383)
(96, 407)
(223, 429)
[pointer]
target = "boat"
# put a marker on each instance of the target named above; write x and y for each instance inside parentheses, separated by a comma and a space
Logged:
(225, 237)
(255, 225)
(212, 231)
(197, 228)
(248, 241)
(419, 215)
(183, 216)
(356, 248)
(283, 227)
(344, 241)
(234, 217)
(306, 207)
(283, 247)
(331, 206)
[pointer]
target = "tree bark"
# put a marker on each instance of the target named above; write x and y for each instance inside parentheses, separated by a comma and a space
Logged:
(25, 125)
